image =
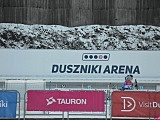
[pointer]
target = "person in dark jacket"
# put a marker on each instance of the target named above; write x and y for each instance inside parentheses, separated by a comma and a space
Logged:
(128, 85)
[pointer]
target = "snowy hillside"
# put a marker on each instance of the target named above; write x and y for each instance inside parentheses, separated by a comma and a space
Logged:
(92, 37)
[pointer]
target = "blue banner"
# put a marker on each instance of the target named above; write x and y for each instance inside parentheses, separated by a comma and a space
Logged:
(8, 104)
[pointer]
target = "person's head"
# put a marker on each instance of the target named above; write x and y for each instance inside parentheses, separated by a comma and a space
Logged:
(129, 77)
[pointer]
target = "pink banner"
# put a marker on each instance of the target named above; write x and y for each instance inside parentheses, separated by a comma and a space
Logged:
(38, 100)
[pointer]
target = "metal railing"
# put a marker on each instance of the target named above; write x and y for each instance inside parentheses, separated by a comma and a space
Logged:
(23, 86)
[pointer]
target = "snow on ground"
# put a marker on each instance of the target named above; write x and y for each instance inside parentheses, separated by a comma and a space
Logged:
(91, 37)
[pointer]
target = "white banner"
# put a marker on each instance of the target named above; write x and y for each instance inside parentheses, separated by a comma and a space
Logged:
(79, 64)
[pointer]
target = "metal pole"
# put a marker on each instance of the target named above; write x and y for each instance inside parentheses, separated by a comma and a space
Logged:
(24, 106)
(67, 115)
(82, 85)
(50, 85)
(19, 105)
(106, 104)
(110, 97)
(62, 115)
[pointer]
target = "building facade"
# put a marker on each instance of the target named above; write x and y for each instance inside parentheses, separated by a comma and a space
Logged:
(81, 12)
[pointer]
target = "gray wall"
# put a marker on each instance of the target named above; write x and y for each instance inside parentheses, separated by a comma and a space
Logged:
(80, 12)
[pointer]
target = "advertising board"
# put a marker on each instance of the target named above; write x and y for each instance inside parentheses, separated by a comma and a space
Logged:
(79, 64)
(8, 104)
(135, 104)
(65, 101)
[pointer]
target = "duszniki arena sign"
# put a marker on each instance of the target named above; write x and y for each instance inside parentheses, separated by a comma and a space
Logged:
(79, 64)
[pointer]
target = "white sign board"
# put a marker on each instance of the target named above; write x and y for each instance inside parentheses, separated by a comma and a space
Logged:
(79, 64)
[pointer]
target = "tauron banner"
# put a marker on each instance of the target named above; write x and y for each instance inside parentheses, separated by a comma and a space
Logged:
(65, 101)
(8, 104)
(135, 104)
